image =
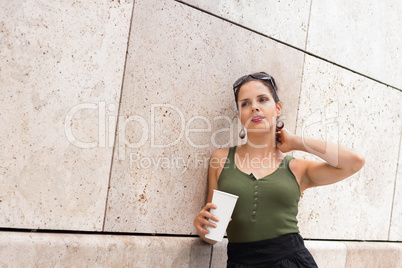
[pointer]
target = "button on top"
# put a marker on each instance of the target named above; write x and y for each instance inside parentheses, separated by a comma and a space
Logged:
(256, 187)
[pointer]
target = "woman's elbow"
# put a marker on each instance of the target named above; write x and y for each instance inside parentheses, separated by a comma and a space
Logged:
(358, 163)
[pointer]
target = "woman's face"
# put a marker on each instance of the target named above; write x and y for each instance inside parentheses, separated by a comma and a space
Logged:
(257, 108)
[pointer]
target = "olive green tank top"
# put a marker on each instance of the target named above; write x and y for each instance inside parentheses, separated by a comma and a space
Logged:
(266, 207)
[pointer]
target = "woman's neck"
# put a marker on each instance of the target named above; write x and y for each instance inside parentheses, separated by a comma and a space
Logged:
(261, 146)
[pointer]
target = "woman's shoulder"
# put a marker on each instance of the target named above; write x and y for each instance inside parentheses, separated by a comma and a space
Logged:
(297, 167)
(221, 152)
(218, 158)
(288, 157)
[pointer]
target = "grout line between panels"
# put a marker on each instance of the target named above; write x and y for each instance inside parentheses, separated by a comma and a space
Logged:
(76, 232)
(288, 45)
(303, 68)
(308, 25)
(396, 177)
(210, 256)
(118, 113)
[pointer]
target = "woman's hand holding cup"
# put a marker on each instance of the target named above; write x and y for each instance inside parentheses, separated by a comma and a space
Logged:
(201, 221)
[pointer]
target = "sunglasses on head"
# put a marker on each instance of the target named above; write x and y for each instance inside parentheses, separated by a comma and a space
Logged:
(259, 76)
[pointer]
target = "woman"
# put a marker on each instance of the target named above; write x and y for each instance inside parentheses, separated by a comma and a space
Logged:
(263, 231)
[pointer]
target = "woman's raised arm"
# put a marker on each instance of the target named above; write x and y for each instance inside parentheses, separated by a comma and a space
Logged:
(340, 163)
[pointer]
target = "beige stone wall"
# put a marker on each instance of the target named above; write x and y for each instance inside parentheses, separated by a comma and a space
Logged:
(111, 109)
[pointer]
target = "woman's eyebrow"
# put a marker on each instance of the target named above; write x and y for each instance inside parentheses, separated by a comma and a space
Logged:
(262, 95)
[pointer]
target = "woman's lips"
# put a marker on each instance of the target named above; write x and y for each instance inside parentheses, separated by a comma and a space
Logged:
(257, 119)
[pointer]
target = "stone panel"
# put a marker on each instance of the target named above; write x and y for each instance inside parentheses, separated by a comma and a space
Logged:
(180, 70)
(361, 255)
(80, 250)
(327, 254)
(286, 21)
(219, 254)
(359, 35)
(395, 233)
(59, 61)
(96, 250)
(339, 106)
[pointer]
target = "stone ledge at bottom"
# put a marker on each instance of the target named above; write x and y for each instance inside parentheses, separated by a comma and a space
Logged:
(30, 249)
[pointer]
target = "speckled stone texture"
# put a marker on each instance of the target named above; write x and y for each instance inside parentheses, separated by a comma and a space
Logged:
(339, 106)
(79, 250)
(362, 255)
(62, 67)
(331, 254)
(60, 76)
(180, 70)
(360, 35)
(285, 20)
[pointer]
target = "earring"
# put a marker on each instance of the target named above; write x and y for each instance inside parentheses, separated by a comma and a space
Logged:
(279, 125)
(242, 133)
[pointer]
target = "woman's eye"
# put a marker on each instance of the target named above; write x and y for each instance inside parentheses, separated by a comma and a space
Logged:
(263, 99)
(244, 104)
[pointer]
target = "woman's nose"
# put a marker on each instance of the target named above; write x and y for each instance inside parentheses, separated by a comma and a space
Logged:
(254, 107)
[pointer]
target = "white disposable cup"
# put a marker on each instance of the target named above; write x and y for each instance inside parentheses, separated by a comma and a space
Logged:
(225, 204)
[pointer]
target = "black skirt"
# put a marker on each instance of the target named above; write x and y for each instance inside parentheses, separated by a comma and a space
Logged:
(286, 251)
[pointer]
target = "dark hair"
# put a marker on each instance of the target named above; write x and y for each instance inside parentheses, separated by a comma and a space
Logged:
(266, 83)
